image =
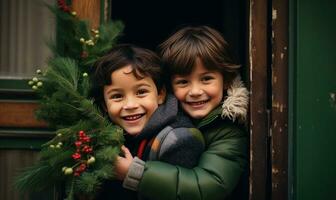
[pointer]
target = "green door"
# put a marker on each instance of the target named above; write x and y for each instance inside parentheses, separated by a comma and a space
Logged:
(313, 93)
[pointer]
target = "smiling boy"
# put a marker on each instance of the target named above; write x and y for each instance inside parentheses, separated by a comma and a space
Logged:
(128, 85)
(130, 101)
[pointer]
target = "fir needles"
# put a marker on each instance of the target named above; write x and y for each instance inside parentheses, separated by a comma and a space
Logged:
(81, 155)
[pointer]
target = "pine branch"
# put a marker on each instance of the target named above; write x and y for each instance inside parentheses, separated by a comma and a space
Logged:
(88, 183)
(65, 104)
(69, 189)
(64, 73)
(105, 172)
(108, 153)
(31, 178)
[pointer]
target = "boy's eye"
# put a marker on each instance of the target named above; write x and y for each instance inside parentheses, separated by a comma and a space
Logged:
(180, 82)
(116, 96)
(141, 92)
(206, 78)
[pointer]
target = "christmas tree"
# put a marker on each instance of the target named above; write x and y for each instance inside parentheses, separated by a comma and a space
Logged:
(81, 154)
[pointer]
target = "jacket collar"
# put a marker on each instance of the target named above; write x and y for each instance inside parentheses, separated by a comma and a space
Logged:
(165, 114)
(235, 104)
(234, 107)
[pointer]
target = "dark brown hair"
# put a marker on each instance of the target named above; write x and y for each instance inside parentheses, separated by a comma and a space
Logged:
(144, 63)
(180, 51)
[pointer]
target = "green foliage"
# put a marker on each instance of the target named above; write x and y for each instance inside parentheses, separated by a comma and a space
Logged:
(86, 143)
(37, 177)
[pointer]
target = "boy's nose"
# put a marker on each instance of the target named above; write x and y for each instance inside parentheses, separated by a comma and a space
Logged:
(195, 91)
(130, 104)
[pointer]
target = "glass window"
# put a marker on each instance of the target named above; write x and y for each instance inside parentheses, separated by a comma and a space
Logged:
(26, 27)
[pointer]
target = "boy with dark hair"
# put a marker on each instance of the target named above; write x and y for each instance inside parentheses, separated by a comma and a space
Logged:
(127, 84)
(207, 85)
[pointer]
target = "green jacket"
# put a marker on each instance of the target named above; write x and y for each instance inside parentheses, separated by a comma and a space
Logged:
(221, 164)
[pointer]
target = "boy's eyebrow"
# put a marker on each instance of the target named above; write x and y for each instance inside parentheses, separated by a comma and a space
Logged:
(142, 84)
(183, 76)
(209, 72)
(113, 90)
(120, 89)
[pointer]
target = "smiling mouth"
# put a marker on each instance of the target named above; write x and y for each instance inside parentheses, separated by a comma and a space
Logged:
(133, 117)
(198, 103)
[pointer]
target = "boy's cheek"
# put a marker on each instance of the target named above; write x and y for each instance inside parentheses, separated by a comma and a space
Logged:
(179, 93)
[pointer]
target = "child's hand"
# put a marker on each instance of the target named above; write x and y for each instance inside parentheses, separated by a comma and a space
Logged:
(122, 164)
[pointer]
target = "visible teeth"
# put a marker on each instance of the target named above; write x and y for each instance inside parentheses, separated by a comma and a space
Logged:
(198, 103)
(133, 117)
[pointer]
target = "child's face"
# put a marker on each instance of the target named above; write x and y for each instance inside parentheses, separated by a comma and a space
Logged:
(199, 92)
(130, 102)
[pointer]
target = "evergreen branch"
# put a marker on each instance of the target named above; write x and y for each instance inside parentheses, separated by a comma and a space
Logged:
(31, 178)
(70, 190)
(65, 104)
(88, 183)
(105, 172)
(61, 135)
(108, 153)
(89, 110)
(64, 72)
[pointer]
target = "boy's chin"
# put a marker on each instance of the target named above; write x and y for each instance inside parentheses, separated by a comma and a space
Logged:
(133, 131)
(196, 115)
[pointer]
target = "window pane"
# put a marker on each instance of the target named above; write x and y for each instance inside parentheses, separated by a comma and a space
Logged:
(26, 27)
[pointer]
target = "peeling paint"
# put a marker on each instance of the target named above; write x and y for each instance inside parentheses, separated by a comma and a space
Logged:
(274, 14)
(251, 160)
(275, 105)
(278, 107)
(250, 41)
(275, 185)
(332, 99)
(275, 170)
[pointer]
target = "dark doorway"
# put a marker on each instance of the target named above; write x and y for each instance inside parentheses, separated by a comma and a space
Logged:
(148, 23)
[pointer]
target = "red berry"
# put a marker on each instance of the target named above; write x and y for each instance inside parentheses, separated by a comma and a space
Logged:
(76, 156)
(78, 144)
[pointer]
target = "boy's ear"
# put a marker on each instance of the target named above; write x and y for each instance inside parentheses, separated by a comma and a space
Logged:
(162, 95)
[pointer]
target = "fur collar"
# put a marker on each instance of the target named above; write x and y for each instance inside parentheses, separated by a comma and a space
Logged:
(235, 104)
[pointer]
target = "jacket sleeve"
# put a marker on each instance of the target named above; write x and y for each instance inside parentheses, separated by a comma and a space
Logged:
(177, 146)
(182, 147)
(216, 175)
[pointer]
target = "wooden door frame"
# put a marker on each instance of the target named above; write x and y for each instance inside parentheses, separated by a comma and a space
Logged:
(268, 79)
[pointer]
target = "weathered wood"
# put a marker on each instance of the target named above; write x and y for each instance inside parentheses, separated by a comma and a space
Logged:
(19, 115)
(258, 100)
(11, 162)
(88, 10)
(279, 123)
